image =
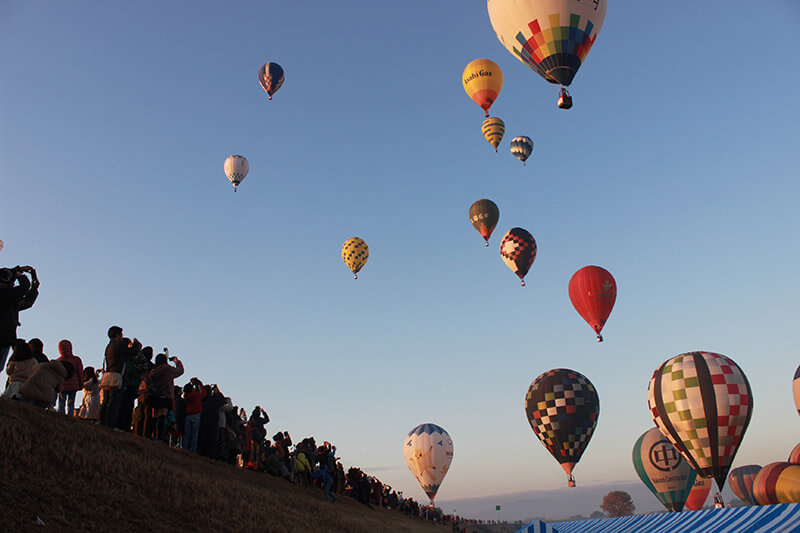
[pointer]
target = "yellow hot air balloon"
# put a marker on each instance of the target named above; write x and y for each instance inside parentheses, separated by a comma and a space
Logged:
(483, 80)
(355, 253)
(493, 129)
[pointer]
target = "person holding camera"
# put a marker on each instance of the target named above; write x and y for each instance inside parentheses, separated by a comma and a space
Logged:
(193, 392)
(161, 380)
(256, 433)
(17, 293)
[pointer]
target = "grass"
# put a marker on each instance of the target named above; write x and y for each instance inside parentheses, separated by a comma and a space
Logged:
(77, 476)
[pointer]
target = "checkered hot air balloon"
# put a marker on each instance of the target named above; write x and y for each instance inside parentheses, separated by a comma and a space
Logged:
(428, 450)
(702, 403)
(493, 130)
(484, 214)
(593, 291)
(662, 469)
(270, 76)
(522, 147)
(355, 253)
(518, 251)
(562, 407)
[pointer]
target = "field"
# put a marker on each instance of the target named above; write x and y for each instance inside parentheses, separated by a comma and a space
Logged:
(74, 475)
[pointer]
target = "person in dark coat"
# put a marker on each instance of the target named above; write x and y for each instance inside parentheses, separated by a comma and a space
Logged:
(17, 293)
(118, 351)
(209, 422)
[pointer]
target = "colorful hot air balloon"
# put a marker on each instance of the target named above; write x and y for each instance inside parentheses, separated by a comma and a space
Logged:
(551, 37)
(518, 250)
(522, 147)
(428, 450)
(662, 470)
(702, 403)
(777, 483)
(270, 76)
(484, 215)
(593, 291)
(699, 493)
(740, 480)
(482, 80)
(355, 253)
(562, 408)
(493, 129)
(794, 457)
(796, 389)
(236, 168)
(3, 244)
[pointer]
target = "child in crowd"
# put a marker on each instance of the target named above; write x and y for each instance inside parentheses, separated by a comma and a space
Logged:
(90, 405)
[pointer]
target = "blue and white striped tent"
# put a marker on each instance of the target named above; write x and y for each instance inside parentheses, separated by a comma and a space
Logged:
(538, 527)
(783, 517)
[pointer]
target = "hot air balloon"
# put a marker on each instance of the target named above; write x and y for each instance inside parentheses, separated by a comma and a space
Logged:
(699, 493)
(794, 457)
(796, 389)
(662, 470)
(740, 480)
(562, 408)
(702, 403)
(493, 129)
(428, 450)
(484, 215)
(236, 168)
(593, 291)
(522, 147)
(270, 76)
(518, 250)
(777, 483)
(355, 253)
(3, 244)
(482, 80)
(551, 37)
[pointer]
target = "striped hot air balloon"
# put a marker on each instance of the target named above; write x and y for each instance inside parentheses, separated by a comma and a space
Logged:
(493, 129)
(777, 483)
(522, 147)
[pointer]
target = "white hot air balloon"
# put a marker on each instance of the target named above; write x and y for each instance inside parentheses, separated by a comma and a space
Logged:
(236, 168)
(428, 450)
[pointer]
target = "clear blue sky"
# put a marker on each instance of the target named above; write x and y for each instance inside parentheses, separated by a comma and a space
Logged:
(676, 170)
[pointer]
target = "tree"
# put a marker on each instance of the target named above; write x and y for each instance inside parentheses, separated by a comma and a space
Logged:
(618, 503)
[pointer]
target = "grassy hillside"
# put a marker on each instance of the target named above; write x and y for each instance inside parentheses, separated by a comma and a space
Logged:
(77, 476)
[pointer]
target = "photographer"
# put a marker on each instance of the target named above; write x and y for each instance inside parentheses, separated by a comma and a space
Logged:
(256, 433)
(161, 379)
(194, 392)
(17, 293)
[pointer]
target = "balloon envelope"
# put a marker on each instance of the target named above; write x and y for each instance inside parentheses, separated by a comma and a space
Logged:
(493, 130)
(236, 168)
(593, 291)
(702, 403)
(796, 389)
(740, 480)
(552, 37)
(777, 483)
(484, 214)
(562, 407)
(794, 457)
(428, 450)
(662, 469)
(355, 253)
(482, 80)
(699, 493)
(270, 76)
(518, 250)
(522, 147)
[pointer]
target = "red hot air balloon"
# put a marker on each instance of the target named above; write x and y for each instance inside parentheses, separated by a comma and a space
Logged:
(593, 291)
(794, 457)
(699, 493)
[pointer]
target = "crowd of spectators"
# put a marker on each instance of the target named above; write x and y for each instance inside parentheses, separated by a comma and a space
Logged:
(136, 392)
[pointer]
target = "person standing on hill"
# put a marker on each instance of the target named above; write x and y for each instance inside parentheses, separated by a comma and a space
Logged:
(45, 382)
(19, 369)
(118, 351)
(17, 293)
(194, 392)
(90, 404)
(74, 383)
(161, 380)
(37, 349)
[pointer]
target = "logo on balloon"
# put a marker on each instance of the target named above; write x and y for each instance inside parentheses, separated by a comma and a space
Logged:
(664, 456)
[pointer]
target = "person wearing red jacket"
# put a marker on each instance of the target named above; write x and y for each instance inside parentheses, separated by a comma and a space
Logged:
(74, 383)
(193, 392)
